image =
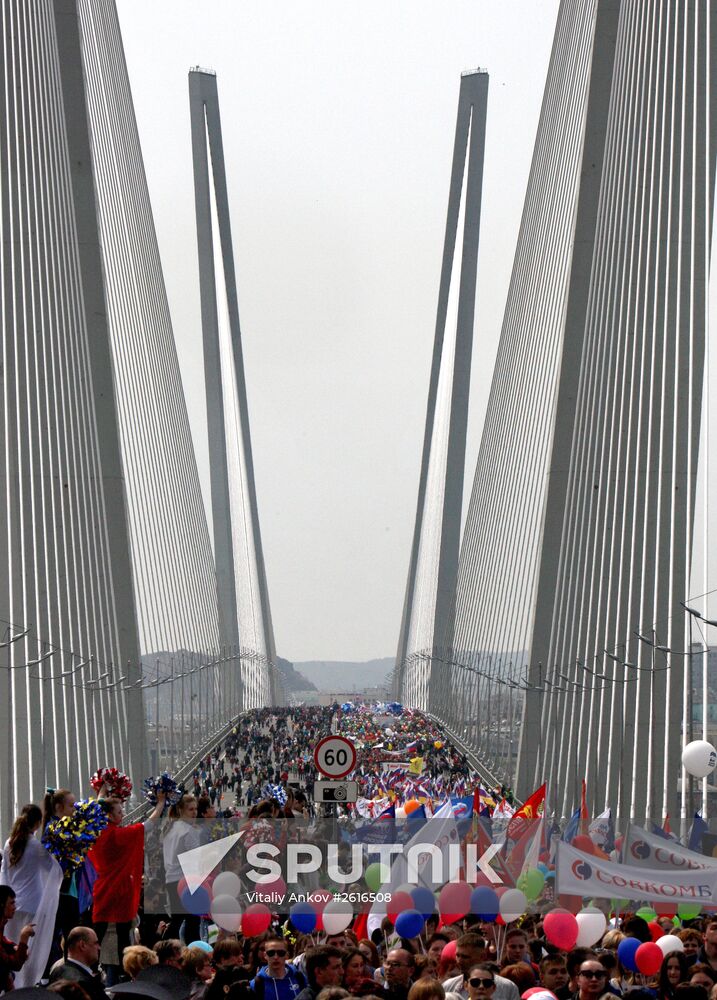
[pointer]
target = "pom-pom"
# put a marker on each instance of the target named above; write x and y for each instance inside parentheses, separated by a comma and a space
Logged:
(164, 783)
(277, 792)
(116, 782)
(69, 838)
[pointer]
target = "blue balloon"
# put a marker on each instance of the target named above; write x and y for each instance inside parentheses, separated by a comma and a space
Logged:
(484, 903)
(626, 953)
(196, 902)
(542, 868)
(423, 900)
(202, 945)
(303, 917)
(409, 924)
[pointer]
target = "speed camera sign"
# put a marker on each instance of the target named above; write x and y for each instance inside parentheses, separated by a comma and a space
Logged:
(335, 756)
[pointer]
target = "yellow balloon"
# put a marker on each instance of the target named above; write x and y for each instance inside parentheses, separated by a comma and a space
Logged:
(438, 745)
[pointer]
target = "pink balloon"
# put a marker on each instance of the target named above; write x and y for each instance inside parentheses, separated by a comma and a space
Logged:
(561, 929)
(648, 958)
(454, 901)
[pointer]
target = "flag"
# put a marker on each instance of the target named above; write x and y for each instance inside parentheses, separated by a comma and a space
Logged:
(381, 830)
(527, 813)
(573, 827)
(696, 830)
(584, 814)
(602, 831)
(663, 831)
(503, 810)
(463, 806)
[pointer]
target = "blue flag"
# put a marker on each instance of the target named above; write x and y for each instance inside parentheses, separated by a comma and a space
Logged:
(696, 830)
(378, 831)
(462, 807)
(573, 827)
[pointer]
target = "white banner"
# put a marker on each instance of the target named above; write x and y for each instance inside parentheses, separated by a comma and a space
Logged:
(648, 850)
(581, 874)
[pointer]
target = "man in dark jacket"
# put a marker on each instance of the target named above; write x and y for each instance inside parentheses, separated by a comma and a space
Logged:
(80, 966)
(324, 967)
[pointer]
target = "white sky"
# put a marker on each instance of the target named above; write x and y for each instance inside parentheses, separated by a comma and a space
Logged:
(338, 122)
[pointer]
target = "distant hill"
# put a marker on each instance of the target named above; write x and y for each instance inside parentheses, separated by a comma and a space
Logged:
(345, 675)
(293, 680)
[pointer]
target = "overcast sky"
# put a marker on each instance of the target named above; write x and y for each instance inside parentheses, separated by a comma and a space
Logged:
(338, 122)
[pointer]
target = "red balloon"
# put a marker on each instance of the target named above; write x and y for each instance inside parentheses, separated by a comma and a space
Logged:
(583, 843)
(399, 902)
(649, 958)
(655, 930)
(618, 843)
(561, 929)
(449, 951)
(454, 901)
(256, 920)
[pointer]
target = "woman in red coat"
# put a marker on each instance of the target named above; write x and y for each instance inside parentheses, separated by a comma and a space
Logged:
(118, 859)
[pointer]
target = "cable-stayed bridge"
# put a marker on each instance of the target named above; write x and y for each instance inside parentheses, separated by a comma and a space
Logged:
(551, 634)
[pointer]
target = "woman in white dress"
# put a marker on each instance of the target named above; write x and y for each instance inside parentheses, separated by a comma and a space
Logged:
(25, 867)
(35, 878)
(182, 835)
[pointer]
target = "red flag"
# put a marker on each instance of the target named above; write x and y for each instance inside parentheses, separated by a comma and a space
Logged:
(527, 813)
(666, 826)
(584, 814)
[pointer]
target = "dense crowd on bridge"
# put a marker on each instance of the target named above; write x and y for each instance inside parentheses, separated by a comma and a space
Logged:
(81, 925)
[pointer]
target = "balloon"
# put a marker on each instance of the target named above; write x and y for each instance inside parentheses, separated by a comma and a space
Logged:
(647, 914)
(668, 943)
(398, 902)
(449, 952)
(375, 876)
(591, 926)
(409, 924)
(202, 945)
(438, 745)
(226, 884)
(411, 806)
(538, 993)
(337, 916)
(561, 929)
(256, 920)
(226, 912)
(626, 953)
(513, 904)
(583, 843)
(544, 869)
(454, 900)
(485, 903)
(531, 882)
(699, 758)
(277, 887)
(648, 958)
(303, 917)
(423, 900)
(655, 930)
(688, 911)
(196, 902)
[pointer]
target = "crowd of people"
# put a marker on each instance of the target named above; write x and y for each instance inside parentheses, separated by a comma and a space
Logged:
(89, 932)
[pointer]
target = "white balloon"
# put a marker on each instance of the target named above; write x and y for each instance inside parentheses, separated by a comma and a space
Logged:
(226, 884)
(699, 758)
(591, 926)
(668, 943)
(226, 913)
(513, 904)
(337, 916)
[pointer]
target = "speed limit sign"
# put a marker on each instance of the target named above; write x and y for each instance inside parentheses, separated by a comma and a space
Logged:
(335, 756)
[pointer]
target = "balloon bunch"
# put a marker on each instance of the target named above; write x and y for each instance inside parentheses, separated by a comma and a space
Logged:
(116, 782)
(69, 838)
(163, 783)
(321, 912)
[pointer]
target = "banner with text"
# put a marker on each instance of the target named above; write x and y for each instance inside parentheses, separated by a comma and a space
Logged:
(649, 850)
(581, 874)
